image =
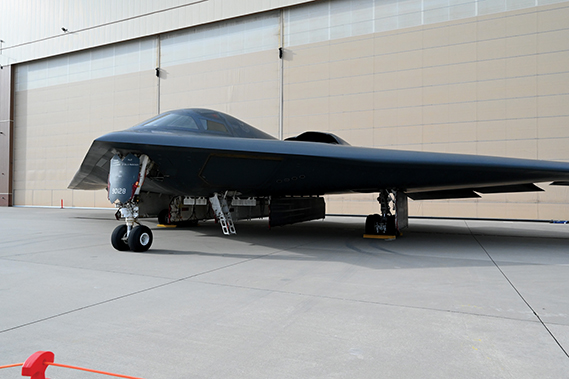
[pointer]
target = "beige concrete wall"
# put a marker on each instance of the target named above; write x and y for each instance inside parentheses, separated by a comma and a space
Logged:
(31, 29)
(493, 85)
(64, 103)
(6, 135)
(55, 125)
(245, 86)
(232, 67)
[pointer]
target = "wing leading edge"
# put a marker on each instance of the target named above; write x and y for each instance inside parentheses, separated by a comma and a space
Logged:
(235, 155)
(188, 163)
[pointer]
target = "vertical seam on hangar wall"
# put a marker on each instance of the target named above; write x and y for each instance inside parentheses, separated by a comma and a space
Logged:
(6, 132)
(281, 74)
(158, 68)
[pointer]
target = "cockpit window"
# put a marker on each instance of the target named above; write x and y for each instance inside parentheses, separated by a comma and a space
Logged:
(200, 121)
(214, 126)
(174, 120)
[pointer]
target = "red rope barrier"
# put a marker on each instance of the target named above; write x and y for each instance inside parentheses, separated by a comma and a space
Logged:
(14, 365)
(90, 370)
(38, 362)
(35, 365)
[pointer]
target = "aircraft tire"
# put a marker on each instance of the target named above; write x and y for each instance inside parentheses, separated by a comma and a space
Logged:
(118, 238)
(371, 221)
(140, 238)
(163, 218)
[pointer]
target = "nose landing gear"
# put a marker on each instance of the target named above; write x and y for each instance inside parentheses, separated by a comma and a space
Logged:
(126, 177)
(138, 240)
(119, 238)
(129, 236)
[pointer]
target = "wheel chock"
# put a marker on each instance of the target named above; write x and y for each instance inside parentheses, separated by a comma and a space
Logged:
(380, 237)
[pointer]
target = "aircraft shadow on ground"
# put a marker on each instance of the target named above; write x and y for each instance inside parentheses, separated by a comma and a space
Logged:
(422, 245)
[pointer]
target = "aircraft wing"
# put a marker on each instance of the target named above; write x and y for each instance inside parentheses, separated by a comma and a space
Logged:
(199, 164)
(211, 165)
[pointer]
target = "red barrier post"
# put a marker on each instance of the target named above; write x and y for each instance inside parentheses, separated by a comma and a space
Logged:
(35, 365)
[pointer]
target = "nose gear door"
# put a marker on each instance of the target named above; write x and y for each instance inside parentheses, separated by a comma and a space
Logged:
(123, 178)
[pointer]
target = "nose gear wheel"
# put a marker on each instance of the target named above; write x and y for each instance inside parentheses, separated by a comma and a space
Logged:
(140, 238)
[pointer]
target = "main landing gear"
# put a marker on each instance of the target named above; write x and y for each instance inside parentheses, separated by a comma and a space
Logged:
(393, 217)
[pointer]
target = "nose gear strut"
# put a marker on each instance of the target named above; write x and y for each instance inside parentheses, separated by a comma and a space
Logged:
(126, 177)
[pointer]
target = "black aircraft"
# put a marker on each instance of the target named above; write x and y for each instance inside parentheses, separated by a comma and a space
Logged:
(195, 164)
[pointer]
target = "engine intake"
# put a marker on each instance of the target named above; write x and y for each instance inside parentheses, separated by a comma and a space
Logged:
(319, 137)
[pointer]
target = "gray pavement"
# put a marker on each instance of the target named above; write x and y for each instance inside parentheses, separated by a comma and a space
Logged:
(450, 299)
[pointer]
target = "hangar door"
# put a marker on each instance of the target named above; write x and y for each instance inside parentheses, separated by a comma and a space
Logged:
(63, 103)
(231, 66)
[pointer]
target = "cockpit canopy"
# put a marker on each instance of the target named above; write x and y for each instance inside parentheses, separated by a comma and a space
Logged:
(203, 121)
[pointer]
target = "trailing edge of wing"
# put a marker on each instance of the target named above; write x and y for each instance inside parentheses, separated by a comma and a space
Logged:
(444, 194)
(471, 193)
(528, 187)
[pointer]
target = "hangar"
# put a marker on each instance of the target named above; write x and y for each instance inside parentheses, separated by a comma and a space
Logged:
(483, 77)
